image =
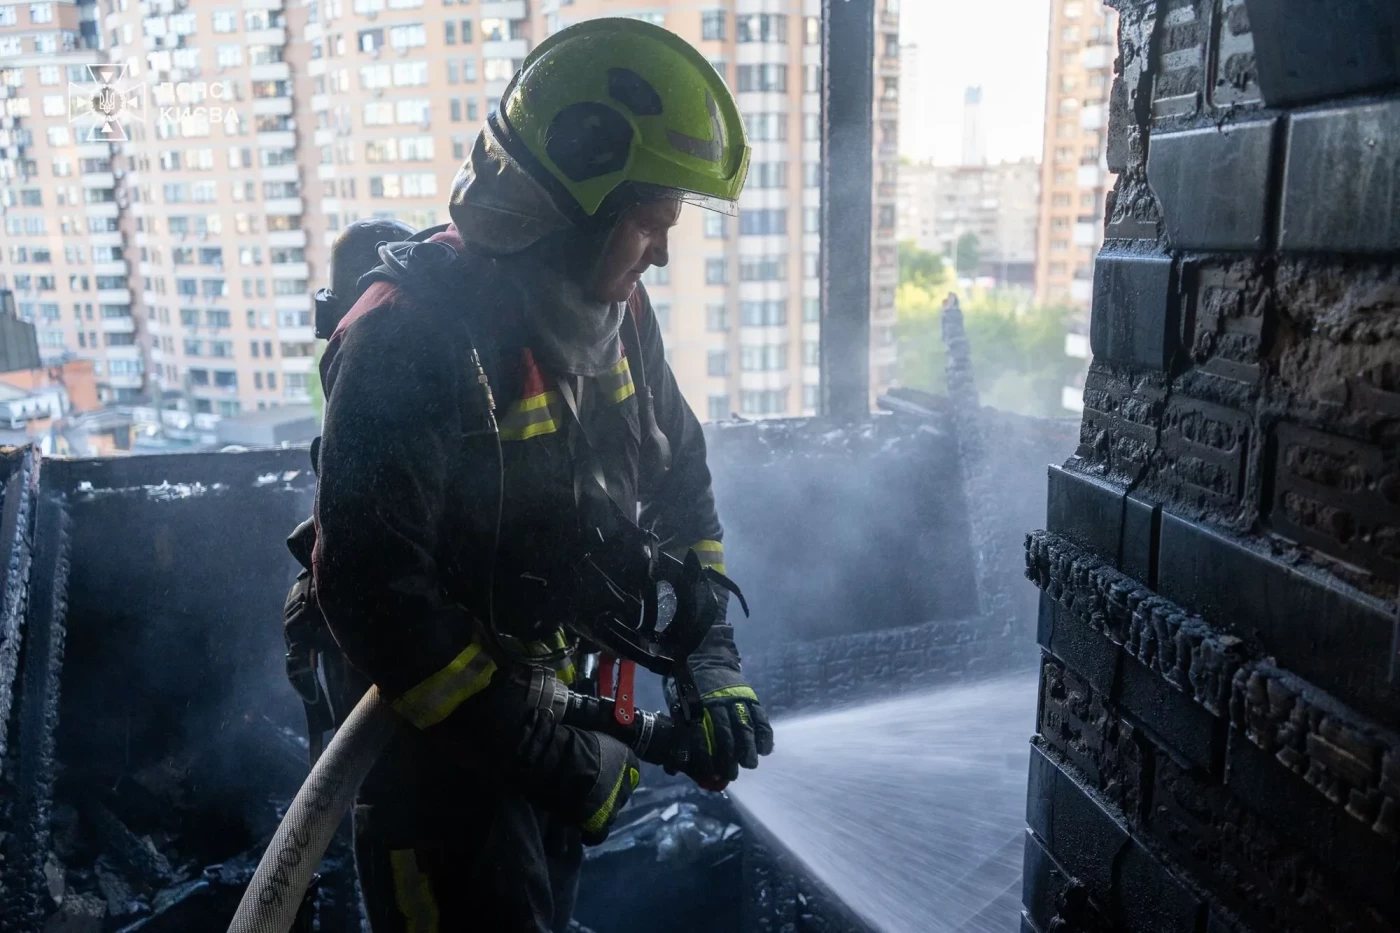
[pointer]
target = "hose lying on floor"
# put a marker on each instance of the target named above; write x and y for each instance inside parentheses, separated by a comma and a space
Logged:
(274, 895)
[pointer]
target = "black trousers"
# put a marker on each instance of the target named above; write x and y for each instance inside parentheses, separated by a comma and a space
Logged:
(508, 870)
(440, 850)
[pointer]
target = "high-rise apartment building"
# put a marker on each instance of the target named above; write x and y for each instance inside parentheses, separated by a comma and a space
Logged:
(270, 124)
(61, 250)
(999, 204)
(1074, 173)
(740, 300)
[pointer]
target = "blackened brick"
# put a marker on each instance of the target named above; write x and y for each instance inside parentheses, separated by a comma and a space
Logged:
(1083, 835)
(1341, 190)
(1213, 185)
(1141, 522)
(1150, 899)
(1280, 609)
(1312, 49)
(1042, 882)
(1134, 316)
(1173, 717)
(1089, 653)
(1086, 510)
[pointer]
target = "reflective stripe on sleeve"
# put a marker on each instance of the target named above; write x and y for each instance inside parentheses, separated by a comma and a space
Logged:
(617, 382)
(530, 417)
(711, 554)
(433, 700)
(413, 893)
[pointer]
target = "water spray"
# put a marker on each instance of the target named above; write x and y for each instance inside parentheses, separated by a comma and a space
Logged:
(911, 810)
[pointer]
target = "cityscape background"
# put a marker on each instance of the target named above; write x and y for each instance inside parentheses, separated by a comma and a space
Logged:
(156, 271)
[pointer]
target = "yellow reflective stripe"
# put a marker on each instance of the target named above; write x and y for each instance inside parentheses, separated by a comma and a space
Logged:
(413, 893)
(600, 818)
(711, 554)
(433, 700)
(742, 692)
(567, 674)
(707, 725)
(617, 383)
(530, 417)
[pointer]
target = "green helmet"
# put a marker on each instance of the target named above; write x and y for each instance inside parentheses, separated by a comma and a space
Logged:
(613, 101)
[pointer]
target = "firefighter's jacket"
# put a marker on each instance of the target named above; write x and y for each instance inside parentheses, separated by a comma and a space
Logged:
(407, 500)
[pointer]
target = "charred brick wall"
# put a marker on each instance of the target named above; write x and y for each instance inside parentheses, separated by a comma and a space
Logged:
(1217, 743)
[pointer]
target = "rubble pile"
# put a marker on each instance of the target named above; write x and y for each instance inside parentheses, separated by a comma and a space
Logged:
(168, 846)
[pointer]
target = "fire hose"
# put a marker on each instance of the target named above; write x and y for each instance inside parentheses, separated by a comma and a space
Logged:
(275, 893)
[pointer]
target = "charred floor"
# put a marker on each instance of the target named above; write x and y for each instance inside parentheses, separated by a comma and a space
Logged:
(153, 742)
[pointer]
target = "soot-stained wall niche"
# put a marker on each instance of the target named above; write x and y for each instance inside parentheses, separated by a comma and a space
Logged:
(1217, 742)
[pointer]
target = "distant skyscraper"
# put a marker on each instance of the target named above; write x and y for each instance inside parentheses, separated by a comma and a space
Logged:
(974, 143)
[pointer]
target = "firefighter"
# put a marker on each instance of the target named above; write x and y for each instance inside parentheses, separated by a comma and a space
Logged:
(446, 557)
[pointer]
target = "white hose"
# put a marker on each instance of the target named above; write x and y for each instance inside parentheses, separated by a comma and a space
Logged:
(275, 894)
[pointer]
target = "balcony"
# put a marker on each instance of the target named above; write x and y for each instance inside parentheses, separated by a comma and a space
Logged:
(1091, 117)
(1097, 57)
(273, 36)
(1082, 292)
(283, 206)
(1090, 176)
(761, 381)
(290, 270)
(289, 171)
(319, 103)
(505, 48)
(285, 237)
(296, 334)
(101, 209)
(277, 139)
(292, 302)
(298, 364)
(1088, 234)
(117, 267)
(97, 180)
(509, 9)
(109, 238)
(117, 325)
(114, 296)
(276, 106)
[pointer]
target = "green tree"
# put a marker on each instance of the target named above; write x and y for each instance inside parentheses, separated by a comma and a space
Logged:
(1018, 350)
(966, 254)
(919, 266)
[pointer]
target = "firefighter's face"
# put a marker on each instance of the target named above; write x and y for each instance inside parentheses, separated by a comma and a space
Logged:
(638, 243)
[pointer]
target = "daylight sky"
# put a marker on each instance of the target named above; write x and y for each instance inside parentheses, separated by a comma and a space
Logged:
(999, 44)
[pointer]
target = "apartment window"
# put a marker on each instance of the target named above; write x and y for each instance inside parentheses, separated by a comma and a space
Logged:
(811, 397)
(812, 30)
(657, 275)
(409, 36)
(493, 30)
(811, 353)
(225, 20)
(499, 69)
(469, 68)
(761, 27)
(767, 175)
(762, 268)
(54, 105)
(767, 127)
(763, 222)
(662, 310)
(716, 318)
(454, 109)
(716, 227)
(764, 403)
(717, 363)
(716, 271)
(811, 175)
(771, 313)
(712, 24)
(811, 220)
(450, 32)
(1060, 200)
(59, 136)
(41, 12)
(48, 74)
(763, 77)
(459, 148)
(1074, 9)
(416, 111)
(811, 126)
(223, 349)
(812, 78)
(721, 68)
(719, 407)
(193, 347)
(1059, 245)
(466, 29)
(452, 73)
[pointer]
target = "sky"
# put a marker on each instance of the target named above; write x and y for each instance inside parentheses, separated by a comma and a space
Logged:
(999, 44)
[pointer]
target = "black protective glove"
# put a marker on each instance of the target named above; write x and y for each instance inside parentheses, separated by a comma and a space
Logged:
(737, 729)
(732, 733)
